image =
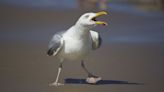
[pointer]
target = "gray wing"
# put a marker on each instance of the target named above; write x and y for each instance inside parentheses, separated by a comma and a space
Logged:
(55, 44)
(96, 39)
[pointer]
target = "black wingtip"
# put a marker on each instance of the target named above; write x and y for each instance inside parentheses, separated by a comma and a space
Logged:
(50, 52)
(100, 41)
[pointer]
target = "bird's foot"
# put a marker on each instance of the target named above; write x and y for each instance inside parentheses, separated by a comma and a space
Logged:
(56, 84)
(93, 79)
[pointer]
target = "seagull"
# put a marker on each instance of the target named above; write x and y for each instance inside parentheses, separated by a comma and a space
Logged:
(76, 43)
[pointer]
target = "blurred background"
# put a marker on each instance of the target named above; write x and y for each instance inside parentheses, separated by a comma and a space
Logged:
(132, 50)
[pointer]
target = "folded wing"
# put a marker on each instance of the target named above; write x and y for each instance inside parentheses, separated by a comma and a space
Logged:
(96, 39)
(55, 44)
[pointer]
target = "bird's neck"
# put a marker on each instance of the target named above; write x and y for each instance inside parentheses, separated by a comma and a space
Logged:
(79, 31)
(82, 27)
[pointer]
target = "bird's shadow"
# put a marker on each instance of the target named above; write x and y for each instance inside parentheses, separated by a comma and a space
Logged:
(101, 82)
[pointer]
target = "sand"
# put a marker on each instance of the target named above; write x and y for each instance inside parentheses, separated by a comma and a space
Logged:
(125, 65)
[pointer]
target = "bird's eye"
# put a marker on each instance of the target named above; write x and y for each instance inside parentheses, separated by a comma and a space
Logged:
(86, 16)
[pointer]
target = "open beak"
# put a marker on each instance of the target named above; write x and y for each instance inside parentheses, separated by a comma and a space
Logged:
(97, 15)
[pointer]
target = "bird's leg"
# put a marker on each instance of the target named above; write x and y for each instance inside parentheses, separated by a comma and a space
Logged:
(56, 83)
(91, 78)
(85, 69)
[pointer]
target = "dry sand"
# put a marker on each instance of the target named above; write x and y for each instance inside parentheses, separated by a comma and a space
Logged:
(124, 66)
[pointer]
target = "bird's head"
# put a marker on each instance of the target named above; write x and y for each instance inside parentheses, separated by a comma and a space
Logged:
(89, 19)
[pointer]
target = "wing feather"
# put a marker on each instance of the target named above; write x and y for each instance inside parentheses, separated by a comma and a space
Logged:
(55, 44)
(96, 39)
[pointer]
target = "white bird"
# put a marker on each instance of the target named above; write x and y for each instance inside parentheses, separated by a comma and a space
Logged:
(76, 43)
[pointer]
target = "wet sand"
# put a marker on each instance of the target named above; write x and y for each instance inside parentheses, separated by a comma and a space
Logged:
(124, 66)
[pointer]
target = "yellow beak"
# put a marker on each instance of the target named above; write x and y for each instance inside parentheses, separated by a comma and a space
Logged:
(100, 14)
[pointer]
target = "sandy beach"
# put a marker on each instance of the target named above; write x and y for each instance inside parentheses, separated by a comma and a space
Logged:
(125, 63)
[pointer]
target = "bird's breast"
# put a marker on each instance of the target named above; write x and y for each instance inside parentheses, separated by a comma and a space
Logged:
(75, 49)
